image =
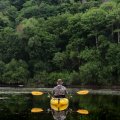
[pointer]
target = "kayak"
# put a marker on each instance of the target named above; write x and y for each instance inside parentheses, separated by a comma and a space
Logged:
(59, 101)
(59, 104)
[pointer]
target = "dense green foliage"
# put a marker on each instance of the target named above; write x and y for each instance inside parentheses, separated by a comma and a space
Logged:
(42, 40)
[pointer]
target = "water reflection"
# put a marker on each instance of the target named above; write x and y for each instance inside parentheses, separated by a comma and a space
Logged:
(36, 110)
(83, 111)
(59, 108)
(59, 115)
(17, 107)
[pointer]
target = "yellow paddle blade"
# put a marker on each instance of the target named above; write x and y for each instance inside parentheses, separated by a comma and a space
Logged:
(36, 110)
(82, 111)
(83, 92)
(37, 93)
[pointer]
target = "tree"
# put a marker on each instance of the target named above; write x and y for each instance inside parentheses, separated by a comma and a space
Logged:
(89, 73)
(4, 21)
(4, 5)
(41, 46)
(114, 23)
(58, 38)
(58, 26)
(2, 70)
(42, 10)
(117, 22)
(17, 3)
(12, 45)
(108, 6)
(75, 26)
(16, 72)
(59, 60)
(112, 57)
(94, 21)
(89, 55)
(103, 46)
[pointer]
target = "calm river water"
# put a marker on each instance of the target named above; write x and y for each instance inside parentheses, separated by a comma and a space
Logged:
(99, 107)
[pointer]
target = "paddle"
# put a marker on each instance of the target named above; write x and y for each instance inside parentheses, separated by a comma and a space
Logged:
(37, 93)
(81, 92)
(81, 111)
(36, 110)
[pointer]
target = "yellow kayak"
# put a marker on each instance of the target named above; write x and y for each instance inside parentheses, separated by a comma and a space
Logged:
(59, 101)
(59, 104)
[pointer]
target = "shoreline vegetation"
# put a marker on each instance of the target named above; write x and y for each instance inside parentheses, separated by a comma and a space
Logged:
(72, 91)
(94, 87)
(112, 87)
(75, 40)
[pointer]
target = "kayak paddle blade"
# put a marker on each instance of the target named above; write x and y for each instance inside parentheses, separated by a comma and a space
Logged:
(36, 110)
(83, 92)
(36, 93)
(82, 111)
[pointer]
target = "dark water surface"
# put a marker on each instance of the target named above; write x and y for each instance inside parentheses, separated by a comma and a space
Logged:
(100, 107)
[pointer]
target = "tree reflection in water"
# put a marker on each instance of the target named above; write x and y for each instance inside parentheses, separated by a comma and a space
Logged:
(17, 107)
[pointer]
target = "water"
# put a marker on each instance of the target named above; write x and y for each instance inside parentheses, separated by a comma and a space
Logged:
(100, 107)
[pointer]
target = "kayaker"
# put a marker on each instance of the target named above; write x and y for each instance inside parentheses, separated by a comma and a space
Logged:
(59, 91)
(59, 115)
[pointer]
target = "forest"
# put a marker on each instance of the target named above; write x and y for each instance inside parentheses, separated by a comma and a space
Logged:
(75, 40)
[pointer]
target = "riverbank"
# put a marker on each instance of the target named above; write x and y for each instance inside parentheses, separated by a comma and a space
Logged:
(9, 90)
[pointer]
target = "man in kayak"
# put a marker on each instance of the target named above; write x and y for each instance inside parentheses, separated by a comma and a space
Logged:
(59, 91)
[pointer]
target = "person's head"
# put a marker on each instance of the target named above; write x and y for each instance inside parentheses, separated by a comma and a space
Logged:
(59, 82)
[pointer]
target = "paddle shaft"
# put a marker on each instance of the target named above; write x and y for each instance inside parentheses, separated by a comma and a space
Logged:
(81, 92)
